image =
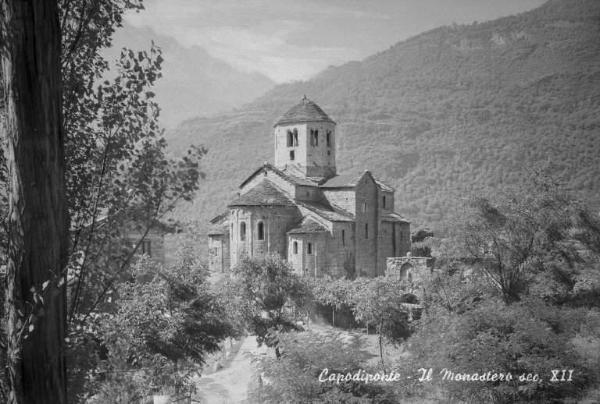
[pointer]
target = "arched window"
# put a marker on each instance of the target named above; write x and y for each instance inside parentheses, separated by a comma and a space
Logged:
(328, 138)
(383, 201)
(343, 237)
(295, 137)
(243, 231)
(261, 231)
(290, 138)
(295, 247)
(314, 137)
(309, 248)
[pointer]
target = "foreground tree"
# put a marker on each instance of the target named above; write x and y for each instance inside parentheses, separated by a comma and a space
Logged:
(37, 240)
(382, 302)
(261, 294)
(166, 324)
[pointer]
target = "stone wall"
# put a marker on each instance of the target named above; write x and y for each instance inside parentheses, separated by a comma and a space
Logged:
(341, 250)
(277, 221)
(310, 261)
(218, 252)
(366, 228)
(415, 270)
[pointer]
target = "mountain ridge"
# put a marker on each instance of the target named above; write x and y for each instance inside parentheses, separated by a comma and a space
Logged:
(452, 112)
(194, 83)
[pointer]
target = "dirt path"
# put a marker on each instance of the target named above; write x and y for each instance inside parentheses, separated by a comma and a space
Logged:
(230, 385)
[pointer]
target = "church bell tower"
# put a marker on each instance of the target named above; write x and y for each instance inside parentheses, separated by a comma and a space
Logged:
(305, 141)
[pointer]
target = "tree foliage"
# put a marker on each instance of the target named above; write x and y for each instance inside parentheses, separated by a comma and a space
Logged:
(523, 300)
(262, 294)
(166, 322)
(294, 377)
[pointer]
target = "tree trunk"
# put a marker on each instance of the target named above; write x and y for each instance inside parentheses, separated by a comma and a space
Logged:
(30, 54)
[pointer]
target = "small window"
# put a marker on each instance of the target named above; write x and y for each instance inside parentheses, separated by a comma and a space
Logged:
(383, 201)
(147, 247)
(343, 237)
(364, 207)
(292, 155)
(290, 138)
(328, 138)
(314, 137)
(243, 231)
(295, 247)
(366, 230)
(309, 248)
(295, 137)
(261, 231)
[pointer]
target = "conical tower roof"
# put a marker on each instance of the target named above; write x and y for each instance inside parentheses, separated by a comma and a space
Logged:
(305, 111)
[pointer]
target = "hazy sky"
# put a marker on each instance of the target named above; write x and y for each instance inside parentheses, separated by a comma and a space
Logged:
(294, 39)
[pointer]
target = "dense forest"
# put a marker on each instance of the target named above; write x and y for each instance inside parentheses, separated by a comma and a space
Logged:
(453, 112)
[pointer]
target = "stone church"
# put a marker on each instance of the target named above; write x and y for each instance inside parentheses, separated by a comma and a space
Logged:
(323, 222)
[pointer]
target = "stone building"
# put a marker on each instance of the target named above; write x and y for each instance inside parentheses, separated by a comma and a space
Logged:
(302, 209)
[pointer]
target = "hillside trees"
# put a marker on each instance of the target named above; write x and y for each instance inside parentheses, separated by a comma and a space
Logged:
(37, 220)
(522, 300)
(540, 242)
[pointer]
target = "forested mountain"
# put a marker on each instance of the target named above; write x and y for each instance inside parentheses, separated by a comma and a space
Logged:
(453, 112)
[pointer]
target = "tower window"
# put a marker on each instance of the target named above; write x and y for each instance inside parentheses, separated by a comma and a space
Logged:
(314, 137)
(328, 138)
(295, 247)
(261, 231)
(366, 230)
(383, 201)
(290, 138)
(292, 155)
(309, 248)
(243, 231)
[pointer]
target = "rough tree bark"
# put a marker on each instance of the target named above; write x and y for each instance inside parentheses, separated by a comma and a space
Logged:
(30, 59)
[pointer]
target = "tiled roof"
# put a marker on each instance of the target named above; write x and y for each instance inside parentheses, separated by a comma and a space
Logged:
(351, 178)
(217, 230)
(384, 186)
(308, 226)
(345, 180)
(285, 174)
(264, 194)
(327, 212)
(394, 217)
(305, 111)
(219, 218)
